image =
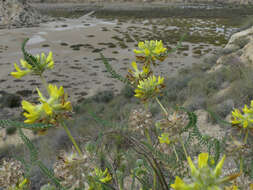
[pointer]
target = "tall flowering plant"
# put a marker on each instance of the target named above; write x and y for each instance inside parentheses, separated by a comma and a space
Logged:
(53, 108)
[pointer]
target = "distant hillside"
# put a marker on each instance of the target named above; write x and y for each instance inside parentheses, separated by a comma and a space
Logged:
(242, 2)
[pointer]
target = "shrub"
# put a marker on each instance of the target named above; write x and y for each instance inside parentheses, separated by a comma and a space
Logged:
(241, 42)
(127, 91)
(104, 96)
(11, 130)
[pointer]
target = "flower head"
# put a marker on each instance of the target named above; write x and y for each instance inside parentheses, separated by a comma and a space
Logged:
(135, 75)
(36, 65)
(244, 119)
(149, 88)
(164, 138)
(180, 184)
(151, 50)
(203, 176)
(98, 175)
(50, 109)
(103, 176)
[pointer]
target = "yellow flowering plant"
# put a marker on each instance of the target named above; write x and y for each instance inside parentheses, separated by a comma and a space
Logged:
(52, 110)
(204, 177)
(35, 66)
(243, 120)
(98, 179)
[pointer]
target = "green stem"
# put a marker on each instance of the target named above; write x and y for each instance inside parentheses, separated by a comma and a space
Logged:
(146, 106)
(160, 104)
(44, 82)
(148, 136)
(154, 181)
(241, 164)
(185, 152)
(150, 142)
(71, 138)
(174, 148)
(246, 137)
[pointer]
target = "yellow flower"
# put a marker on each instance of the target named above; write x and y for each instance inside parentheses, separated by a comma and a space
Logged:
(135, 75)
(46, 61)
(233, 187)
(218, 168)
(103, 176)
(37, 66)
(204, 177)
(164, 138)
(179, 184)
(202, 160)
(152, 50)
(149, 88)
(33, 112)
(194, 171)
(49, 110)
(244, 119)
(23, 183)
(20, 73)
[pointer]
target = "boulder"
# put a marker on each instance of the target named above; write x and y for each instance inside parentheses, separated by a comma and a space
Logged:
(240, 48)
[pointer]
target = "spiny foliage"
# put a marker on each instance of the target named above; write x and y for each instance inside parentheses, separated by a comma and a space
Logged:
(113, 73)
(34, 161)
(210, 142)
(27, 56)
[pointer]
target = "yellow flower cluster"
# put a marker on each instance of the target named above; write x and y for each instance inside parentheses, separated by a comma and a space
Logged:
(101, 176)
(149, 88)
(42, 63)
(164, 138)
(146, 85)
(152, 50)
(244, 120)
(49, 110)
(204, 177)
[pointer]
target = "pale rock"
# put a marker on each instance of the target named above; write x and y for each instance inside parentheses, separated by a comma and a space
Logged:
(247, 55)
(18, 13)
(243, 34)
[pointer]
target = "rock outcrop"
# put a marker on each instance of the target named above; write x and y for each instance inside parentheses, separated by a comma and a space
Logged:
(18, 13)
(239, 47)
